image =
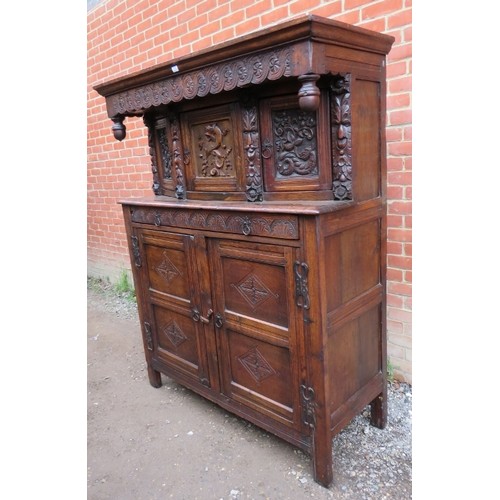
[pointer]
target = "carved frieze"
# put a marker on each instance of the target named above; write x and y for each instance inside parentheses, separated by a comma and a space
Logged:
(341, 137)
(254, 69)
(294, 133)
(282, 226)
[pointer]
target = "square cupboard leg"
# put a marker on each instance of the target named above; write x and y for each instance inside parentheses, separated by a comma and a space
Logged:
(154, 377)
(378, 416)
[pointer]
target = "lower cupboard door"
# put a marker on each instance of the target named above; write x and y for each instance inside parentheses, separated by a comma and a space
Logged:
(256, 330)
(172, 293)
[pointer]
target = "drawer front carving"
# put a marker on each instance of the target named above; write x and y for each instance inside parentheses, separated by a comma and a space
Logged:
(275, 226)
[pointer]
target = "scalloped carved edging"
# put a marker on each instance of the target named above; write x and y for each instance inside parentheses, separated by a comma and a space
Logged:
(255, 69)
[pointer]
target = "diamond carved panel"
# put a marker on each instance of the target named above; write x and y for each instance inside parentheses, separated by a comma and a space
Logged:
(173, 332)
(253, 290)
(256, 365)
(167, 270)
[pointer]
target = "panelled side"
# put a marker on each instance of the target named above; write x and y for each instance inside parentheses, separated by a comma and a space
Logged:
(355, 300)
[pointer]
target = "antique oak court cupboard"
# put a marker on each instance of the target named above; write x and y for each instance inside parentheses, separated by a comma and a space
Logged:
(259, 262)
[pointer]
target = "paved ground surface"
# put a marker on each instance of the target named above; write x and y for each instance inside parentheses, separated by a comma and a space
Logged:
(152, 444)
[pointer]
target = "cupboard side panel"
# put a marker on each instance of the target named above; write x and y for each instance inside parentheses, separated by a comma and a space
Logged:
(366, 139)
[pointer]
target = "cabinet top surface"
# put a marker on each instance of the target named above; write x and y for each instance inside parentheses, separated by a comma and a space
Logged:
(299, 207)
(304, 28)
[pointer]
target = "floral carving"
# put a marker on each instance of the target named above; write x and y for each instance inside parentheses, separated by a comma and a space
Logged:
(341, 137)
(295, 139)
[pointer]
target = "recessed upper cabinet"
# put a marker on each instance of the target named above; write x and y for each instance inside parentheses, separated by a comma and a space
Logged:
(279, 122)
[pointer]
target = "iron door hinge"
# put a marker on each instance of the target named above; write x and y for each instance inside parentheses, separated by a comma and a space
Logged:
(149, 335)
(136, 251)
(301, 270)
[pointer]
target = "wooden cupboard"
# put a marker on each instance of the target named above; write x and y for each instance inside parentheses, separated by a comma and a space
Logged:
(259, 262)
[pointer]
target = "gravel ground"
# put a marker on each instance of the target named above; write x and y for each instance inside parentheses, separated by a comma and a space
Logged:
(146, 443)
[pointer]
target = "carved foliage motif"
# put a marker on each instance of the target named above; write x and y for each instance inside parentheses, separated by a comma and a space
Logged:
(255, 69)
(215, 154)
(341, 137)
(253, 290)
(294, 133)
(256, 365)
(253, 163)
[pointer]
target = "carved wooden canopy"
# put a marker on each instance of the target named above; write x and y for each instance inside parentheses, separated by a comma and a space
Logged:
(297, 48)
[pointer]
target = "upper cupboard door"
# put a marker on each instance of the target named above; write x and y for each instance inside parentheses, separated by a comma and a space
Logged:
(254, 295)
(172, 289)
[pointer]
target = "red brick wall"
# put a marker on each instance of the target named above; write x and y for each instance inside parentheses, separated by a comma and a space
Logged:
(126, 36)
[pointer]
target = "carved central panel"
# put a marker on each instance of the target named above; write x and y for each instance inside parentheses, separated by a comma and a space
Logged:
(253, 290)
(215, 149)
(256, 365)
(173, 332)
(167, 269)
(294, 134)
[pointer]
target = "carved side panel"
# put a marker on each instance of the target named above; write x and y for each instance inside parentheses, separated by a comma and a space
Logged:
(164, 150)
(341, 137)
(150, 124)
(294, 135)
(253, 168)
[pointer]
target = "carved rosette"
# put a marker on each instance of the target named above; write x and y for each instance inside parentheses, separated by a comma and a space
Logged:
(149, 122)
(341, 137)
(253, 170)
(177, 157)
(255, 69)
